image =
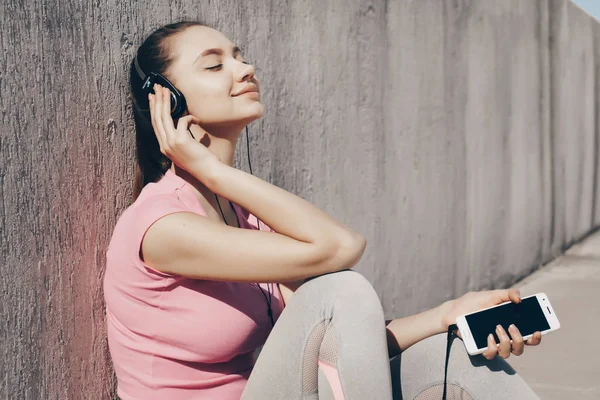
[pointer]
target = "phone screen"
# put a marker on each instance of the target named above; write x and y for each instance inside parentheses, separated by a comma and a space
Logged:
(527, 316)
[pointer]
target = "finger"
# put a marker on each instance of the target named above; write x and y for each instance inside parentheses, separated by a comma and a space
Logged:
(158, 104)
(517, 340)
(535, 339)
(159, 137)
(167, 119)
(183, 123)
(492, 348)
(151, 108)
(514, 295)
(504, 295)
(504, 347)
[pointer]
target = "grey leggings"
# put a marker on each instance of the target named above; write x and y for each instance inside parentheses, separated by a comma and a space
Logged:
(330, 343)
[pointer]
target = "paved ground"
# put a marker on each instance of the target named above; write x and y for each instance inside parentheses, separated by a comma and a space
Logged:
(566, 365)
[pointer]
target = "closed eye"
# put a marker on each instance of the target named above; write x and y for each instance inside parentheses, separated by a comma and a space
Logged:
(220, 65)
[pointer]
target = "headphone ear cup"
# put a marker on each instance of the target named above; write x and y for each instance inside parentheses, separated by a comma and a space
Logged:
(178, 103)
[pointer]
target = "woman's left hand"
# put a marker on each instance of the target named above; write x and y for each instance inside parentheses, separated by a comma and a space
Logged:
(474, 301)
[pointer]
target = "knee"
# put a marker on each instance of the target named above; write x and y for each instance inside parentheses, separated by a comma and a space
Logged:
(348, 286)
(344, 281)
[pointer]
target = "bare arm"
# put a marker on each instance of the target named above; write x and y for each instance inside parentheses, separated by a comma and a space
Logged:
(307, 241)
(283, 211)
(404, 332)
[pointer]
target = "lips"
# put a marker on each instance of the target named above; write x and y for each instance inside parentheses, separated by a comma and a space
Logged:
(246, 90)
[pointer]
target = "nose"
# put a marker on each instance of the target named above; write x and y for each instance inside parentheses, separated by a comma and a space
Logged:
(247, 73)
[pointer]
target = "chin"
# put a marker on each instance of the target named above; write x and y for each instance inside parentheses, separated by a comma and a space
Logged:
(258, 110)
(248, 116)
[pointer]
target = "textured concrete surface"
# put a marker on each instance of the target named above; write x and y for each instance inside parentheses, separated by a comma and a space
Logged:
(566, 364)
(459, 136)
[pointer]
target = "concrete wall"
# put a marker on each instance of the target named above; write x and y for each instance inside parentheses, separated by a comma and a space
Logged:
(459, 136)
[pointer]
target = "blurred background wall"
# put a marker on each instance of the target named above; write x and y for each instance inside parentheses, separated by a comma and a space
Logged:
(459, 136)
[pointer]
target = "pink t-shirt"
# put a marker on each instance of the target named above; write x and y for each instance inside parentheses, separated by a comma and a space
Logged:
(173, 337)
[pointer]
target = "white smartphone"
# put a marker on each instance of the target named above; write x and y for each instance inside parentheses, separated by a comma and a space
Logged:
(534, 313)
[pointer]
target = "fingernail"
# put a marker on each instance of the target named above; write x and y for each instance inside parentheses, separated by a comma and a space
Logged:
(499, 327)
(491, 336)
(512, 326)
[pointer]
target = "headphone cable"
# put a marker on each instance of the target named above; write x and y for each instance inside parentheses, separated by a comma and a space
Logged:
(268, 300)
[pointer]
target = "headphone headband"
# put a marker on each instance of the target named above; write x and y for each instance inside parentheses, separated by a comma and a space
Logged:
(138, 69)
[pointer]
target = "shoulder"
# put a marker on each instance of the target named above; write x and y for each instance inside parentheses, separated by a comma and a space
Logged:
(165, 195)
(150, 206)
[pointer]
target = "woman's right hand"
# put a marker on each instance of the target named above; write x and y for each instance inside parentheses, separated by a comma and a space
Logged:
(176, 143)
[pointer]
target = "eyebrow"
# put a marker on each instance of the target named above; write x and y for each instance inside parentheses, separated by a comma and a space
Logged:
(217, 51)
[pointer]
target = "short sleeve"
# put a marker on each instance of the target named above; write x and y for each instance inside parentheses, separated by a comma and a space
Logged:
(147, 213)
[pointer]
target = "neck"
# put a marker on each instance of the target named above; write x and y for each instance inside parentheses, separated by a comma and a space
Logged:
(223, 143)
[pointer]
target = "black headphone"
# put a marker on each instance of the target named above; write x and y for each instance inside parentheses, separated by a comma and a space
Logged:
(178, 103)
(178, 107)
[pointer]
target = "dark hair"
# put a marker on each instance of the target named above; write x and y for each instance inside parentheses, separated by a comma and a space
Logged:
(153, 56)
